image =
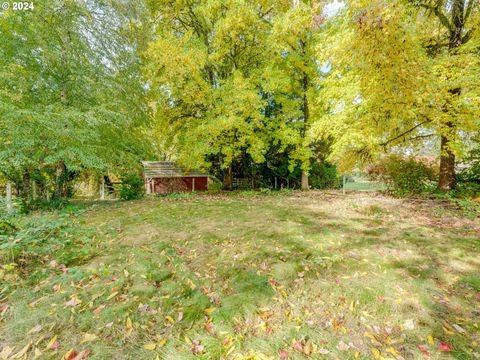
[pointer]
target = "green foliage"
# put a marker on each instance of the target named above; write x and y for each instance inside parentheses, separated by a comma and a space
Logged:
(133, 187)
(214, 185)
(396, 80)
(6, 228)
(231, 80)
(71, 93)
(324, 176)
(405, 176)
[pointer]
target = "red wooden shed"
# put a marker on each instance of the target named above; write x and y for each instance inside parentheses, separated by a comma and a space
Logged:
(164, 177)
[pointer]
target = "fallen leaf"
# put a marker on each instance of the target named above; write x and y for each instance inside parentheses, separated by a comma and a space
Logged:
(283, 354)
(197, 348)
(129, 323)
(88, 338)
(297, 345)
(191, 284)
(459, 328)
(98, 310)
(424, 350)
(150, 347)
(112, 295)
(162, 343)
(83, 354)
(36, 329)
(36, 354)
(73, 302)
(210, 328)
(180, 316)
(53, 343)
(376, 353)
(69, 355)
(6, 351)
(308, 348)
(409, 325)
(342, 346)
(22, 352)
(392, 351)
(210, 310)
(430, 340)
(445, 347)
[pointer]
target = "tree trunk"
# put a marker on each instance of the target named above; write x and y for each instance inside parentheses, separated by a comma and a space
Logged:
(447, 179)
(305, 109)
(306, 116)
(60, 180)
(305, 185)
(26, 185)
(228, 178)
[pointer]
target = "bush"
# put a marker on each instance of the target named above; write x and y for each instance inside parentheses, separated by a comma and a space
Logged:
(466, 190)
(324, 176)
(132, 187)
(214, 185)
(6, 228)
(404, 176)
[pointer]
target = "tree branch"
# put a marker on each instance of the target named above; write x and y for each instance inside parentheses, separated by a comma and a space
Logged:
(440, 15)
(405, 133)
(468, 11)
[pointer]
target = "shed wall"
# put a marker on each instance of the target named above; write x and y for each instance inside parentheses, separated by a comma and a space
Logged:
(166, 185)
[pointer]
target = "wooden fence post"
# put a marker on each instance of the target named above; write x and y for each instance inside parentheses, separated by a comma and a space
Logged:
(34, 190)
(193, 184)
(344, 183)
(102, 189)
(9, 197)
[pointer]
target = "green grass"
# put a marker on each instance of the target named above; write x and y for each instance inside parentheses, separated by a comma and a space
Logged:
(357, 276)
(365, 186)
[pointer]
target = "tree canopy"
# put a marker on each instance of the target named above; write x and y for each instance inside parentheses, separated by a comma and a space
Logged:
(266, 87)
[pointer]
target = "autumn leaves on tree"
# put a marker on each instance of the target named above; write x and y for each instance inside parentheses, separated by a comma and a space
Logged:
(382, 76)
(210, 83)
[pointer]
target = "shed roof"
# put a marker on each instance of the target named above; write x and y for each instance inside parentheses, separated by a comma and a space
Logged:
(168, 169)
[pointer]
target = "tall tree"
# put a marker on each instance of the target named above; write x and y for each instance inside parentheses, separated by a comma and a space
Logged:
(205, 69)
(391, 84)
(458, 25)
(66, 101)
(291, 77)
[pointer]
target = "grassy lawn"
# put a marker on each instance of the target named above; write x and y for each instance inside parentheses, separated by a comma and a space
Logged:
(320, 275)
(365, 186)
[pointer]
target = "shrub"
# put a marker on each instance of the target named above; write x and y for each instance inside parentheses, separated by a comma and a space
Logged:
(214, 185)
(404, 176)
(324, 176)
(6, 228)
(132, 187)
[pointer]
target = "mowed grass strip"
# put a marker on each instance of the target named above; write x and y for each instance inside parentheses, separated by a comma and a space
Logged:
(320, 275)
